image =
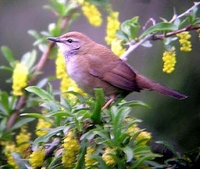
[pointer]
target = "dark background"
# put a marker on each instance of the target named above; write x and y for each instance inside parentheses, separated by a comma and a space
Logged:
(168, 119)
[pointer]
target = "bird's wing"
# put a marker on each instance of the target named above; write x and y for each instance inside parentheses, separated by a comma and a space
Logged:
(117, 73)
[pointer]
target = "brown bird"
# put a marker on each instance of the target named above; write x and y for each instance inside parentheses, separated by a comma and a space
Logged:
(92, 65)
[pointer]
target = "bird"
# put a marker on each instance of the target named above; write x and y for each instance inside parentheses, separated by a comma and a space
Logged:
(92, 65)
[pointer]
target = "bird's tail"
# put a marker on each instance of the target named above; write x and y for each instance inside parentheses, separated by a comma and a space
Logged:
(145, 83)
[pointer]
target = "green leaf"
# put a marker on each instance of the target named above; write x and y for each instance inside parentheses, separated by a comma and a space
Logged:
(147, 44)
(34, 33)
(42, 83)
(3, 123)
(39, 41)
(39, 92)
(4, 103)
(121, 35)
(102, 133)
(168, 40)
(35, 115)
(70, 9)
(163, 26)
(192, 15)
(18, 160)
(48, 7)
(134, 103)
(29, 58)
(54, 29)
(99, 102)
(59, 113)
(21, 122)
(99, 2)
(169, 146)
(129, 153)
(118, 119)
(88, 135)
(100, 161)
(141, 160)
(6, 68)
(59, 7)
(131, 27)
(81, 156)
(51, 105)
(65, 103)
(7, 53)
(45, 138)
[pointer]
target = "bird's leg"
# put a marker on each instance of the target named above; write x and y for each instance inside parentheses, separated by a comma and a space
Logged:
(109, 102)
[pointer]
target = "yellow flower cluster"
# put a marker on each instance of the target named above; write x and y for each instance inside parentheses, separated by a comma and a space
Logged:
(145, 136)
(66, 84)
(71, 148)
(88, 160)
(117, 48)
(169, 59)
(92, 14)
(41, 126)
(186, 45)
(9, 148)
(20, 78)
(112, 26)
(60, 66)
(37, 158)
(109, 160)
(23, 140)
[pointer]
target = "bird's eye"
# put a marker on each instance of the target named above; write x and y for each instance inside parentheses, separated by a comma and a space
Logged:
(69, 40)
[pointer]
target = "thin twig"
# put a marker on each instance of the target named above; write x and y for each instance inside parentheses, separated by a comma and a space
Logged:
(49, 151)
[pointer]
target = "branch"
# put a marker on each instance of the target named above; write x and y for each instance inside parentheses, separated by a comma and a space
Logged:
(134, 45)
(185, 13)
(22, 99)
(39, 67)
(162, 36)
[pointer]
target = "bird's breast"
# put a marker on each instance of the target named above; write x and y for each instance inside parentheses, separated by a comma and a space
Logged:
(79, 70)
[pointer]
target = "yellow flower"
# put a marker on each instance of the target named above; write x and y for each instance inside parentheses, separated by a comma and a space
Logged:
(22, 140)
(88, 160)
(60, 66)
(169, 59)
(107, 157)
(92, 14)
(66, 85)
(20, 78)
(112, 26)
(117, 47)
(37, 158)
(186, 45)
(71, 148)
(41, 126)
(9, 148)
(80, 1)
(143, 135)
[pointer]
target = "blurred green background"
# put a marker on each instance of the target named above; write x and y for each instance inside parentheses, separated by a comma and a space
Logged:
(168, 119)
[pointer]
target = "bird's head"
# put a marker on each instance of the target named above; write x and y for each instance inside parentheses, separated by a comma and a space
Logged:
(73, 43)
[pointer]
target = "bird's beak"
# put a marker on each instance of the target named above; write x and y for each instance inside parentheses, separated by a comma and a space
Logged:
(54, 39)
